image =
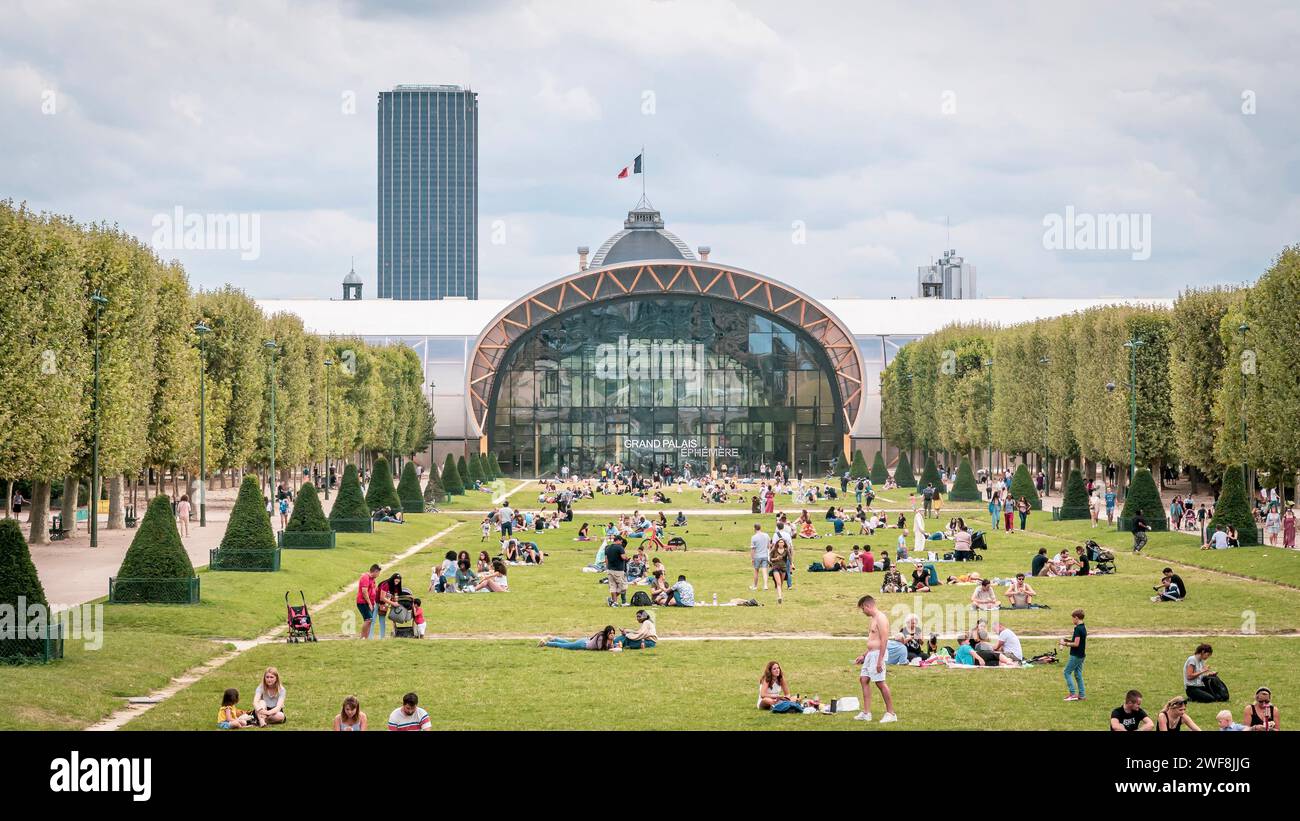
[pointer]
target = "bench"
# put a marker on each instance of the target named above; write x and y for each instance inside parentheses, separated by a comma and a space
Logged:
(131, 519)
(57, 533)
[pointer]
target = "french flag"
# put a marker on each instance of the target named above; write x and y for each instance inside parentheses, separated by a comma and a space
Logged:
(634, 168)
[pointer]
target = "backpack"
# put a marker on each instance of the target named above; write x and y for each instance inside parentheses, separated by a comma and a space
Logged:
(641, 599)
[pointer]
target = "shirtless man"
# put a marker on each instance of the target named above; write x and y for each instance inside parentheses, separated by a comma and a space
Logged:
(873, 662)
(831, 561)
(1020, 593)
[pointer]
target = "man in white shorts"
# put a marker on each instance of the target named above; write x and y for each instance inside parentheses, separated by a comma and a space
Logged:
(873, 662)
(759, 554)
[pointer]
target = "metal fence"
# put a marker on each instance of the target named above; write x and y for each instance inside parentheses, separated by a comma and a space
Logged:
(303, 540)
(45, 647)
(153, 591)
(352, 525)
(255, 560)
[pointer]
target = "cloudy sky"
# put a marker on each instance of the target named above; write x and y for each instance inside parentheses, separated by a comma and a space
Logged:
(827, 144)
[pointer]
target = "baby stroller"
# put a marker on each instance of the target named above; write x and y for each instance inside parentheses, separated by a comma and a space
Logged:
(1102, 559)
(401, 614)
(977, 542)
(300, 628)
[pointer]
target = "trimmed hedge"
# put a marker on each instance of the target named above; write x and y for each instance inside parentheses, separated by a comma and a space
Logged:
(859, 468)
(381, 492)
(1234, 509)
(349, 504)
(156, 561)
(879, 472)
(1145, 496)
(408, 490)
(451, 481)
(476, 469)
(462, 470)
(308, 516)
(1074, 505)
(249, 527)
(497, 472)
(903, 471)
(19, 580)
(1022, 484)
(433, 490)
(930, 476)
(964, 489)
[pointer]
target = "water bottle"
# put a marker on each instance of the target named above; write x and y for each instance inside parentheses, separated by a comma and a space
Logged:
(715, 599)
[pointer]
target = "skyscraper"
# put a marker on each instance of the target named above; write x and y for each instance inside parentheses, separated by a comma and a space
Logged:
(428, 192)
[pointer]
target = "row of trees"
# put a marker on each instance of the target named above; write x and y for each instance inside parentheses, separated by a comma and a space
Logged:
(1214, 377)
(151, 358)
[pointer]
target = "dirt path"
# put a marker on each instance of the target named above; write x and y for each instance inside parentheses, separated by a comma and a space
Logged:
(134, 708)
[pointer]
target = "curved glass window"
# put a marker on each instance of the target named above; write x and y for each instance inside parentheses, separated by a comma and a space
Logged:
(654, 381)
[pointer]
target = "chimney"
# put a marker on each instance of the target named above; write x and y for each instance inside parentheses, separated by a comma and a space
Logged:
(582, 257)
(704, 251)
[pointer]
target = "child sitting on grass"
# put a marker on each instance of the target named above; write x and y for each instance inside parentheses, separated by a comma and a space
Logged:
(230, 717)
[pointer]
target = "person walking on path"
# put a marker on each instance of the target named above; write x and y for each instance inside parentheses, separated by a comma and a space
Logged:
(759, 546)
(1140, 528)
(1074, 668)
(183, 515)
(873, 662)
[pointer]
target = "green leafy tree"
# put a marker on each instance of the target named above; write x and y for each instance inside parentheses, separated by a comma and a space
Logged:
(903, 471)
(1143, 496)
(930, 476)
(1233, 508)
(451, 477)
(964, 489)
(1074, 504)
(1197, 358)
(1022, 486)
(859, 467)
(408, 490)
(156, 552)
(381, 492)
(879, 472)
(308, 516)
(249, 527)
(349, 503)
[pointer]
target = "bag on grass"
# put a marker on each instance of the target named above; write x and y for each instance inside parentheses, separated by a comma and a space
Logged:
(1215, 687)
(787, 707)
(641, 599)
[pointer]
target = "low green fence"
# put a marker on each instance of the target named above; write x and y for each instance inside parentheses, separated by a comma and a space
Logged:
(255, 561)
(1063, 513)
(352, 525)
(153, 591)
(304, 540)
(44, 647)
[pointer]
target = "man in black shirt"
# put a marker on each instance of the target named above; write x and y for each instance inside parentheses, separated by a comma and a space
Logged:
(1040, 561)
(1073, 672)
(1131, 717)
(1171, 587)
(1140, 528)
(616, 567)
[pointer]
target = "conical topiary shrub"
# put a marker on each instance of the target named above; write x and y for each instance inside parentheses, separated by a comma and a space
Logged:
(1233, 509)
(964, 489)
(475, 469)
(497, 472)
(1143, 495)
(20, 588)
(408, 490)
(249, 541)
(903, 471)
(930, 476)
(350, 513)
(879, 472)
(156, 567)
(1022, 484)
(1074, 504)
(433, 489)
(381, 492)
(451, 481)
(307, 527)
(859, 468)
(462, 469)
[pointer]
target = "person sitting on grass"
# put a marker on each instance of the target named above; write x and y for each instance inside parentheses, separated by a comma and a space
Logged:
(1039, 564)
(920, 579)
(496, 581)
(643, 637)
(660, 592)
(583, 535)
(1202, 685)
(350, 717)
(604, 640)
(1174, 717)
(966, 655)
(268, 699)
(683, 594)
(1061, 564)
(1020, 594)
(855, 559)
(772, 688)
(1008, 643)
(1227, 725)
(410, 717)
(230, 717)
(1261, 714)
(984, 598)
(832, 561)
(444, 574)
(1171, 587)
(680, 521)
(529, 553)
(1131, 718)
(484, 562)
(869, 560)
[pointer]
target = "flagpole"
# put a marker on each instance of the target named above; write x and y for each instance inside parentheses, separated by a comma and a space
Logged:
(643, 170)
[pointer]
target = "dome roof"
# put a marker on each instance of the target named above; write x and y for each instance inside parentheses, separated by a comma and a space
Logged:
(643, 237)
(353, 278)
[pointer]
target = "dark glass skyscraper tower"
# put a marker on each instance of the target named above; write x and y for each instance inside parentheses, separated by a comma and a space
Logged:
(428, 192)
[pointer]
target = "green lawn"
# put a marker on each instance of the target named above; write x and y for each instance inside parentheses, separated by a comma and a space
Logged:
(482, 500)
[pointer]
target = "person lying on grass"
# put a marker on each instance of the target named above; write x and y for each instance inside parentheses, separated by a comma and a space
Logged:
(495, 581)
(643, 637)
(268, 699)
(604, 640)
(230, 717)
(350, 717)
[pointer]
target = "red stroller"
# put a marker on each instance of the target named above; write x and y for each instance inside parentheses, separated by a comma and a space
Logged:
(300, 628)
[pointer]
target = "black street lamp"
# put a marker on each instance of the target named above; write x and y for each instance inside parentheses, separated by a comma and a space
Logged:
(100, 301)
(203, 330)
(1245, 470)
(988, 459)
(1047, 484)
(329, 372)
(270, 375)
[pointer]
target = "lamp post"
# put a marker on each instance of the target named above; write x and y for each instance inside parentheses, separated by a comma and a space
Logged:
(93, 514)
(329, 372)
(1133, 344)
(270, 375)
(1245, 471)
(203, 330)
(988, 458)
(1047, 479)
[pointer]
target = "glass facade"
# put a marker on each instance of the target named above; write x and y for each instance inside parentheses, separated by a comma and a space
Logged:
(648, 381)
(428, 193)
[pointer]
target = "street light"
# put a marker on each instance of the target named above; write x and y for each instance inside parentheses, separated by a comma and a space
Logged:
(1047, 483)
(1245, 470)
(203, 330)
(1133, 345)
(329, 372)
(270, 375)
(988, 458)
(100, 301)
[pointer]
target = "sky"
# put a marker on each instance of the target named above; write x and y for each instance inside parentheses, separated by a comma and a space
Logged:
(833, 145)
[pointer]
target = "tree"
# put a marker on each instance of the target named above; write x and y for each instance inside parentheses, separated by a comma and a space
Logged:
(964, 489)
(497, 473)
(381, 492)
(879, 473)
(20, 588)
(930, 476)
(1233, 509)
(156, 552)
(462, 470)
(1022, 486)
(408, 490)
(451, 477)
(903, 471)
(476, 468)
(1074, 504)
(433, 489)
(1197, 357)
(308, 516)
(349, 504)
(1143, 496)
(859, 467)
(249, 527)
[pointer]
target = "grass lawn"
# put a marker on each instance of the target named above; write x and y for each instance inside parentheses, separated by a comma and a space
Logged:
(710, 685)
(482, 500)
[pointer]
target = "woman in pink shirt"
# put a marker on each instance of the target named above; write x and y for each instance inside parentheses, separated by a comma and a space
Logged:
(366, 593)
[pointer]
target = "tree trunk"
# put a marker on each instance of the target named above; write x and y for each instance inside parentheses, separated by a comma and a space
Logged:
(116, 513)
(68, 507)
(9, 496)
(40, 510)
(192, 491)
